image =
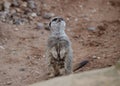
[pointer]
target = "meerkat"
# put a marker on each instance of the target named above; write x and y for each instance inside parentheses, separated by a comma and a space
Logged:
(59, 53)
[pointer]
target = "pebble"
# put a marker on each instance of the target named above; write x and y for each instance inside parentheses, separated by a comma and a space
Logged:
(22, 69)
(8, 83)
(48, 15)
(18, 10)
(67, 19)
(33, 14)
(91, 28)
(1, 47)
(6, 5)
(40, 26)
(95, 57)
(17, 21)
(94, 10)
(1, 6)
(46, 26)
(16, 29)
(15, 3)
(31, 4)
(13, 11)
(76, 19)
(24, 4)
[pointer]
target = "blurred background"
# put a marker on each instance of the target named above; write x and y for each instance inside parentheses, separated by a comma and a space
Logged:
(93, 26)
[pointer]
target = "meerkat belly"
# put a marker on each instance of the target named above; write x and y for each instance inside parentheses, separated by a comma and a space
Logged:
(59, 52)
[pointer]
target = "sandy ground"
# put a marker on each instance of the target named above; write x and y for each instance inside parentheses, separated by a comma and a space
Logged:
(22, 47)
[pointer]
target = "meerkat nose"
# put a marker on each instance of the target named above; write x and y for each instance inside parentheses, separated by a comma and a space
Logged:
(59, 20)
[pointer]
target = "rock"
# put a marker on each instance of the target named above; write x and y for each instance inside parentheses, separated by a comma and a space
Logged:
(95, 57)
(22, 69)
(2, 15)
(1, 7)
(15, 3)
(16, 29)
(76, 19)
(8, 83)
(38, 12)
(1, 47)
(67, 19)
(94, 10)
(31, 4)
(18, 10)
(46, 7)
(91, 28)
(24, 4)
(13, 11)
(33, 14)
(6, 5)
(46, 25)
(100, 77)
(18, 21)
(48, 15)
(40, 26)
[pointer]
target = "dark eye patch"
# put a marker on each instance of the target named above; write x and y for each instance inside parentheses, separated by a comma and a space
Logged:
(62, 19)
(55, 19)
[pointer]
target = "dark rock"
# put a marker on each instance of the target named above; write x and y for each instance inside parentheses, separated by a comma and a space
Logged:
(46, 26)
(15, 3)
(40, 26)
(48, 15)
(31, 4)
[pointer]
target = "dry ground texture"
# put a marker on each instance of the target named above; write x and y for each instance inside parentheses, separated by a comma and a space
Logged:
(92, 25)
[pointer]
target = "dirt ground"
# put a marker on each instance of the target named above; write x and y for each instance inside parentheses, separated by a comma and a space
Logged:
(93, 26)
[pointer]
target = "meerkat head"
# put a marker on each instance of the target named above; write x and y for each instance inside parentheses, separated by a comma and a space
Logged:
(57, 24)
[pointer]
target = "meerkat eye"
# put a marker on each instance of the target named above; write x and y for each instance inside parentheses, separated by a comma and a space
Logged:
(62, 19)
(55, 19)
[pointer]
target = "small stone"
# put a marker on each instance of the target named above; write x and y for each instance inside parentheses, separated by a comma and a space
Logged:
(98, 57)
(18, 10)
(67, 19)
(91, 28)
(94, 11)
(15, 3)
(31, 4)
(94, 57)
(2, 15)
(81, 6)
(24, 4)
(76, 19)
(43, 56)
(8, 83)
(40, 26)
(46, 7)
(22, 69)
(17, 21)
(1, 47)
(38, 12)
(1, 7)
(16, 29)
(34, 15)
(13, 11)
(46, 25)
(48, 15)
(6, 5)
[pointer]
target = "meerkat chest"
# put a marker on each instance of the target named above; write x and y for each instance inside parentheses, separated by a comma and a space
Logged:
(59, 48)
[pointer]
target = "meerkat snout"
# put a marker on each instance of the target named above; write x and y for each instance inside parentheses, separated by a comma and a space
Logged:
(57, 23)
